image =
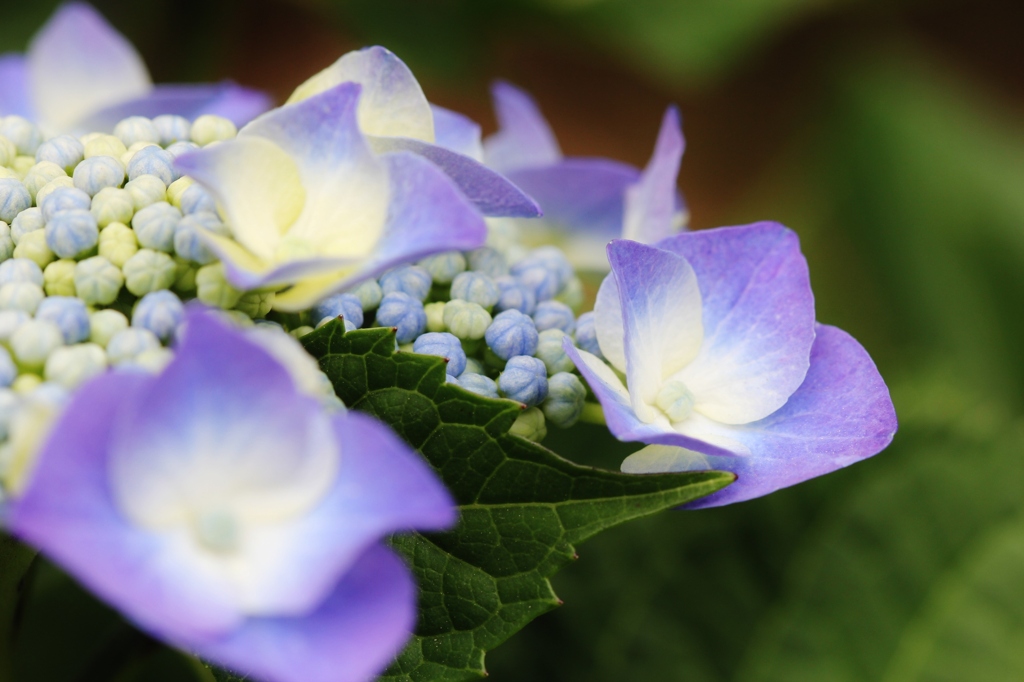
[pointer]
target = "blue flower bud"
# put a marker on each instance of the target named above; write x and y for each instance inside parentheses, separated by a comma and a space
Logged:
(8, 371)
(488, 261)
(171, 129)
(70, 233)
(512, 333)
(10, 320)
(524, 379)
(554, 315)
(21, 296)
(98, 172)
(136, 129)
(443, 345)
(33, 342)
(196, 199)
(73, 365)
(410, 279)
(14, 198)
(153, 161)
(443, 267)
(347, 306)
(586, 335)
(530, 425)
(564, 404)
(64, 199)
(64, 150)
(20, 270)
(479, 384)
(514, 296)
(25, 136)
(126, 345)
(29, 220)
(53, 185)
(154, 226)
(69, 314)
(551, 259)
(98, 281)
(551, 352)
(188, 242)
(475, 287)
(160, 312)
(400, 310)
(182, 147)
(369, 294)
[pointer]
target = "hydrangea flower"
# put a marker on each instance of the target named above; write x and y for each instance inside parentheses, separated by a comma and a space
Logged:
(80, 74)
(311, 205)
(395, 115)
(587, 200)
(224, 511)
(726, 367)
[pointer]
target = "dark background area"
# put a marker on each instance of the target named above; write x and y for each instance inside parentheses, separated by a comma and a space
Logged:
(889, 136)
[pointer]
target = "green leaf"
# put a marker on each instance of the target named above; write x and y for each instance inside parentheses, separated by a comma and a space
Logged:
(522, 507)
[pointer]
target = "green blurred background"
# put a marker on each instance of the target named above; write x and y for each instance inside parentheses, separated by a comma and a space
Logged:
(888, 135)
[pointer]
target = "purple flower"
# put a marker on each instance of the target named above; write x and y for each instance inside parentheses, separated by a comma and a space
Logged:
(81, 74)
(591, 199)
(726, 366)
(227, 513)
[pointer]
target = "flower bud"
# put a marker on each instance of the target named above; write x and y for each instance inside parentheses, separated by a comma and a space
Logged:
(6, 243)
(176, 189)
(473, 366)
(22, 165)
(21, 296)
(524, 379)
(8, 371)
(73, 365)
(442, 345)
(369, 294)
(135, 129)
(171, 128)
(52, 186)
(118, 243)
(26, 383)
(564, 404)
(536, 278)
(409, 279)
(127, 344)
(551, 352)
(33, 247)
(475, 287)
(256, 304)
(514, 296)
(347, 306)
(479, 384)
(14, 198)
(488, 261)
(8, 151)
(512, 333)
(153, 360)
(209, 128)
(443, 267)
(71, 233)
(69, 314)
(97, 173)
(435, 316)
(530, 425)
(405, 313)
(59, 278)
(182, 147)
(103, 324)
(155, 224)
(25, 136)
(64, 150)
(213, 288)
(146, 190)
(62, 199)
(196, 199)
(153, 161)
(586, 335)
(572, 293)
(9, 403)
(160, 312)
(554, 315)
(468, 321)
(112, 205)
(104, 145)
(299, 332)
(40, 174)
(188, 240)
(10, 320)
(150, 270)
(134, 149)
(97, 281)
(20, 270)
(34, 340)
(29, 220)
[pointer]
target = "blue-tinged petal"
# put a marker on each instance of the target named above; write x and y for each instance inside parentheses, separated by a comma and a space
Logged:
(78, 64)
(14, 94)
(651, 211)
(580, 194)
(524, 138)
(620, 417)
(611, 333)
(840, 415)
(69, 513)
(393, 104)
(492, 193)
(458, 133)
(350, 637)
(427, 214)
(661, 315)
(229, 100)
(758, 319)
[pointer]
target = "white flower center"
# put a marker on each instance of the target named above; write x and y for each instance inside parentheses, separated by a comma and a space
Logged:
(675, 400)
(218, 531)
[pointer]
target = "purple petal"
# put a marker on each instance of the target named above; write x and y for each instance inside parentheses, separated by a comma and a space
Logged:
(758, 318)
(840, 415)
(68, 512)
(651, 204)
(457, 133)
(78, 64)
(14, 95)
(227, 99)
(580, 194)
(489, 191)
(350, 637)
(524, 138)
